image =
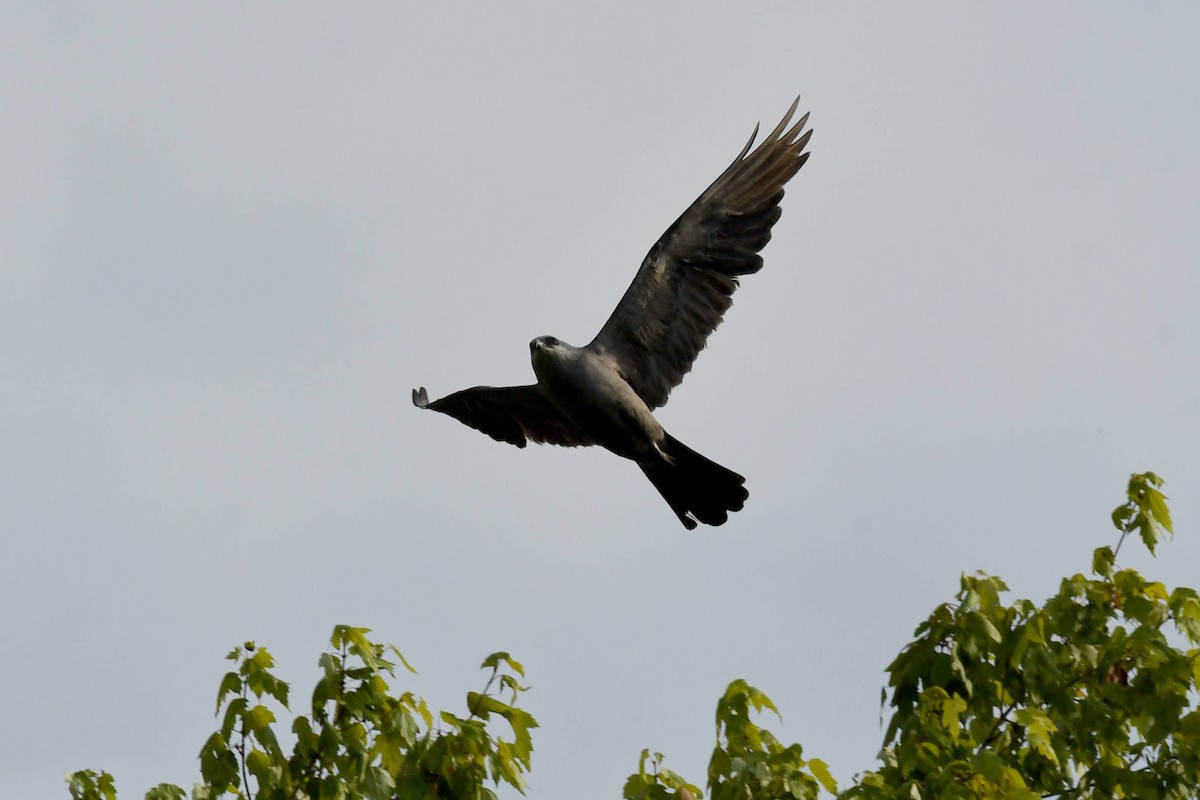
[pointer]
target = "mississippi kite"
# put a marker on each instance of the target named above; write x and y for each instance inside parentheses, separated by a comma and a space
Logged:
(603, 393)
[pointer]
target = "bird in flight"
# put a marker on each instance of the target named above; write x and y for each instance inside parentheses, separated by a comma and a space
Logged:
(605, 392)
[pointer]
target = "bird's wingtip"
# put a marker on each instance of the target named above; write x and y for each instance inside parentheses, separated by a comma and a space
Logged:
(420, 397)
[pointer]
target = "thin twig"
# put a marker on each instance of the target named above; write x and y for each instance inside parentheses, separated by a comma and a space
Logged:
(1121, 541)
(484, 693)
(1003, 718)
(242, 745)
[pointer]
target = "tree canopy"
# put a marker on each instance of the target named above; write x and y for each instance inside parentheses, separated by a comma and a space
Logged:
(1090, 694)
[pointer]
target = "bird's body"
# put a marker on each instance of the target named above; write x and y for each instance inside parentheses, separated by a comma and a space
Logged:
(589, 391)
(604, 393)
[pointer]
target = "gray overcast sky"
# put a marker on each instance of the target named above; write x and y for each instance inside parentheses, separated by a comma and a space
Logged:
(232, 239)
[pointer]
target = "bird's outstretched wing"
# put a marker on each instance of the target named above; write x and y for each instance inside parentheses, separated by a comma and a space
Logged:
(512, 414)
(685, 283)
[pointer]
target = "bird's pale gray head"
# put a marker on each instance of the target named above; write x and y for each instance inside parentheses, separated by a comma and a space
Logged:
(544, 342)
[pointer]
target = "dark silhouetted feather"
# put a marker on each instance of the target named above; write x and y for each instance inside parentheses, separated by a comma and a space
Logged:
(510, 414)
(687, 280)
(694, 487)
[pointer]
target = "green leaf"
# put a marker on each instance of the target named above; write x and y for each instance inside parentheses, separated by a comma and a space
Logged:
(390, 748)
(1152, 515)
(233, 713)
(266, 737)
(331, 665)
(261, 660)
(426, 714)
(1156, 503)
(321, 695)
(218, 764)
(328, 742)
(230, 684)
(306, 739)
(820, 771)
(259, 765)
(1155, 590)
(332, 788)
(1121, 516)
(378, 784)
(1147, 530)
(952, 708)
(481, 705)
(990, 629)
(760, 701)
(403, 660)
(258, 718)
(494, 660)
(1185, 608)
(365, 649)
(990, 766)
(1038, 728)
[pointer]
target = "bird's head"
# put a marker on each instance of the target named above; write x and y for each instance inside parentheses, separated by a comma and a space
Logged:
(547, 342)
(545, 349)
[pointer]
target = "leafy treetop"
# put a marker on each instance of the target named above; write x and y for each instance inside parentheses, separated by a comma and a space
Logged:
(1083, 696)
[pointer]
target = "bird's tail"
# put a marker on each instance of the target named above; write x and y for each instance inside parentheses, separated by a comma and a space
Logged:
(695, 488)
